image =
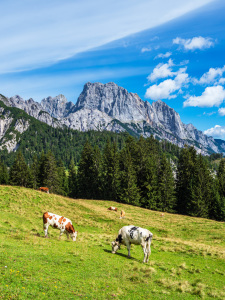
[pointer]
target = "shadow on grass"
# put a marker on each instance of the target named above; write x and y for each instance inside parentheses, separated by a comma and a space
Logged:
(53, 238)
(121, 254)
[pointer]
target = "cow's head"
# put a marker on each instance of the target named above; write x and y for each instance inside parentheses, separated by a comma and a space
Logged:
(74, 235)
(115, 246)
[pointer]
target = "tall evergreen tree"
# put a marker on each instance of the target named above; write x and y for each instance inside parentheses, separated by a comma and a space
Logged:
(49, 173)
(110, 172)
(199, 201)
(186, 172)
(89, 172)
(35, 172)
(221, 177)
(19, 172)
(4, 174)
(129, 192)
(72, 180)
(63, 179)
(166, 186)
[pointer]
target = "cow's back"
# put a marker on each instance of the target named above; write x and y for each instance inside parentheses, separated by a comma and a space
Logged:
(134, 234)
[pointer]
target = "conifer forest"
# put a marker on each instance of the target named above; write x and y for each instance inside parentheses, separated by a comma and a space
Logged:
(141, 172)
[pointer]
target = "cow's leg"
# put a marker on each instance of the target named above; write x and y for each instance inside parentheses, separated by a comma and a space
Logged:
(61, 233)
(45, 230)
(128, 248)
(148, 251)
(145, 251)
(68, 236)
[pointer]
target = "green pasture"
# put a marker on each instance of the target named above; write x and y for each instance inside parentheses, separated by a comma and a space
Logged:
(187, 260)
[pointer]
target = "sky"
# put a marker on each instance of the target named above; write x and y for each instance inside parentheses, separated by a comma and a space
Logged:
(162, 50)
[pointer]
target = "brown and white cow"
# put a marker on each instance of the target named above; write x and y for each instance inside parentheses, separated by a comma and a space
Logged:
(44, 189)
(112, 208)
(122, 214)
(60, 222)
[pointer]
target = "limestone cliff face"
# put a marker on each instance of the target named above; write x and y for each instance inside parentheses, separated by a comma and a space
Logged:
(57, 107)
(110, 107)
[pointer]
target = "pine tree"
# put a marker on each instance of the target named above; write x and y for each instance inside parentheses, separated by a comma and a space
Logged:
(35, 172)
(186, 173)
(217, 203)
(89, 172)
(19, 173)
(4, 174)
(110, 172)
(129, 192)
(166, 187)
(200, 198)
(221, 177)
(63, 180)
(49, 173)
(150, 187)
(72, 180)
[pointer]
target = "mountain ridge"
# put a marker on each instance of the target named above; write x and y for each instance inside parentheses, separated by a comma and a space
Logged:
(112, 108)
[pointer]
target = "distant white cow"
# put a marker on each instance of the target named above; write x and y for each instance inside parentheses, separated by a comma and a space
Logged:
(134, 235)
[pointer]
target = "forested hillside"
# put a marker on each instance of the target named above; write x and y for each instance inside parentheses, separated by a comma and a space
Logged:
(145, 172)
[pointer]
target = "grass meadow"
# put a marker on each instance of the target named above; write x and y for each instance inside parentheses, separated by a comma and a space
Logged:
(187, 260)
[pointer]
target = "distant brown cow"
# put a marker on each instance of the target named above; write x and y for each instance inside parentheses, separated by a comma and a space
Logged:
(44, 189)
(122, 214)
(112, 208)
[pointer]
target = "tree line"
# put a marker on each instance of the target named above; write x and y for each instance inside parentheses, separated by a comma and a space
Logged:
(140, 174)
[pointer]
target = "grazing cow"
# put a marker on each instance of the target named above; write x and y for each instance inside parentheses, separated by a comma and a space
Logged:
(44, 189)
(122, 214)
(134, 235)
(112, 208)
(62, 223)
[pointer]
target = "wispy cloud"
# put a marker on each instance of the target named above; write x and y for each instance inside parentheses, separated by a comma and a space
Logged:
(212, 96)
(217, 131)
(161, 55)
(38, 33)
(145, 49)
(167, 88)
(194, 43)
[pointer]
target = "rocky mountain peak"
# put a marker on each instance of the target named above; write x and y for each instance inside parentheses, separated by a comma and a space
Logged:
(58, 107)
(113, 100)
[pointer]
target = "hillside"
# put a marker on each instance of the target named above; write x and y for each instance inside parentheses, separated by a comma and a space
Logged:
(20, 131)
(187, 259)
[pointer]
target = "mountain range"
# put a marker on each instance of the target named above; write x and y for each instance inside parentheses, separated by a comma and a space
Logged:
(107, 107)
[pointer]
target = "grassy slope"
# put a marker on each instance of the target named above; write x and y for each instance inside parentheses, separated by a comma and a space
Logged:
(187, 258)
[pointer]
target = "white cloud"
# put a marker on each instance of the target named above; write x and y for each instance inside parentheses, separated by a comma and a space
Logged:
(161, 55)
(212, 96)
(221, 111)
(194, 43)
(162, 71)
(167, 88)
(222, 81)
(212, 76)
(146, 50)
(39, 33)
(217, 131)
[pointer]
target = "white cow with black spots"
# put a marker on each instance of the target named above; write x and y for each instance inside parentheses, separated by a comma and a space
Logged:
(134, 235)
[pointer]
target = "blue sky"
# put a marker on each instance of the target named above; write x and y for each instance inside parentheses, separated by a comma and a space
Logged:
(169, 50)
